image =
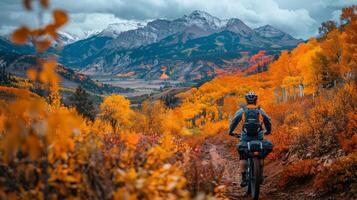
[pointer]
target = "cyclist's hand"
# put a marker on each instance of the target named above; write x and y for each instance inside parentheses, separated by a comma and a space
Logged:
(231, 134)
(267, 133)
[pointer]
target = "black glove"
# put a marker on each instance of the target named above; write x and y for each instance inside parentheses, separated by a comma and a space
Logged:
(267, 133)
(230, 133)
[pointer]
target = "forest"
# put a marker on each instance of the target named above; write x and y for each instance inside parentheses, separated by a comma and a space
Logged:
(49, 150)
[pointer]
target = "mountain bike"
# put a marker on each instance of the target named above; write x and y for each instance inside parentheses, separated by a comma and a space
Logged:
(255, 168)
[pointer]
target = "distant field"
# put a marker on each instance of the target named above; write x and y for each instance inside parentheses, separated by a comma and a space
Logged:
(141, 86)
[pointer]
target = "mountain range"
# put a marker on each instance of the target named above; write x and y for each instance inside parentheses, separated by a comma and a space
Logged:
(192, 47)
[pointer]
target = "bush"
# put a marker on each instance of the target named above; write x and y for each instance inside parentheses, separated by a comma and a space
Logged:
(298, 172)
(338, 176)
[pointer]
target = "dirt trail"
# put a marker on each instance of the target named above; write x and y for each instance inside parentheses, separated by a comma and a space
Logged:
(220, 155)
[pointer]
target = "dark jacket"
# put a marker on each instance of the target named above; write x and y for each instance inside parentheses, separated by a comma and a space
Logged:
(238, 117)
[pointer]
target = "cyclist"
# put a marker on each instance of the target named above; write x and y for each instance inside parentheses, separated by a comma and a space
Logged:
(253, 118)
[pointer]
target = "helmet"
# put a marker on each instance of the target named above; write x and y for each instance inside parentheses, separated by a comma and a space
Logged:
(251, 98)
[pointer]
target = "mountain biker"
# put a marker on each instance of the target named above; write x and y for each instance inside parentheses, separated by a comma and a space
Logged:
(247, 115)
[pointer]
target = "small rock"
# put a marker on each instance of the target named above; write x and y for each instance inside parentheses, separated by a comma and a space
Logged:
(273, 190)
(327, 162)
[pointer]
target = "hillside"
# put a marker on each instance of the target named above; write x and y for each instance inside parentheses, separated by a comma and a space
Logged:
(176, 146)
(17, 65)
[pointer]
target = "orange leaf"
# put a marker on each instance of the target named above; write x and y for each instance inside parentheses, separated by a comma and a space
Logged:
(49, 65)
(60, 17)
(27, 4)
(44, 3)
(20, 35)
(51, 30)
(37, 32)
(34, 146)
(42, 46)
(32, 74)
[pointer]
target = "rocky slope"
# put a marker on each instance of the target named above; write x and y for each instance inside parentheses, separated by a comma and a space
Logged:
(184, 45)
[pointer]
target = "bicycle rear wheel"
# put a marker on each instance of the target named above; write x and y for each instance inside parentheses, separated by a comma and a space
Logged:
(256, 178)
(249, 176)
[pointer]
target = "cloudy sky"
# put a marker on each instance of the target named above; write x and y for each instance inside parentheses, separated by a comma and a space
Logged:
(299, 18)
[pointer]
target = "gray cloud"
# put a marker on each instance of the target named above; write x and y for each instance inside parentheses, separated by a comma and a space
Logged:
(300, 18)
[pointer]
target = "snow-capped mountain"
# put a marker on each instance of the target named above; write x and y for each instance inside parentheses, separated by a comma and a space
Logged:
(238, 26)
(203, 20)
(67, 38)
(113, 30)
(192, 46)
(197, 24)
(158, 29)
(269, 31)
(276, 35)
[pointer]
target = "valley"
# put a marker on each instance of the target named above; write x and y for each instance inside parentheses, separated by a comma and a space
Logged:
(139, 86)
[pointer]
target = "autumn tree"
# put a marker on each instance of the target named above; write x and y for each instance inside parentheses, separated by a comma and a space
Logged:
(83, 103)
(116, 111)
(349, 37)
(327, 27)
(155, 113)
(327, 63)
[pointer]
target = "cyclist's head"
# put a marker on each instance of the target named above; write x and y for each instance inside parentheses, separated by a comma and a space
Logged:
(251, 98)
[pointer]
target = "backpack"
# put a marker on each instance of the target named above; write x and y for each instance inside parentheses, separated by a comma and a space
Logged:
(252, 121)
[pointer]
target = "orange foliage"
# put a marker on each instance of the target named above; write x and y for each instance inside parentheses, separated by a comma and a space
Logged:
(115, 110)
(339, 175)
(300, 171)
(57, 154)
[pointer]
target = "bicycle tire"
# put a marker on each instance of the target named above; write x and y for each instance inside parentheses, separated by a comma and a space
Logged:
(256, 178)
(249, 177)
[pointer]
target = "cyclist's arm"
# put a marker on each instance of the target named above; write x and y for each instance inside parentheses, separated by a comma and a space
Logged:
(236, 119)
(267, 121)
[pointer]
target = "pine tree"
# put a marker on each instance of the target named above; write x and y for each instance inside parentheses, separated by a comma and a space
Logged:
(83, 103)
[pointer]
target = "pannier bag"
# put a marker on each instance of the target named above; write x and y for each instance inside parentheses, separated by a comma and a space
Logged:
(255, 146)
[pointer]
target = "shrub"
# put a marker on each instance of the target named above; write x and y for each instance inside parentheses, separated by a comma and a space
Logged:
(298, 172)
(339, 175)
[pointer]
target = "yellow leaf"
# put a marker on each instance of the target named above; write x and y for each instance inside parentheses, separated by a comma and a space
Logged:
(20, 35)
(60, 17)
(131, 175)
(72, 179)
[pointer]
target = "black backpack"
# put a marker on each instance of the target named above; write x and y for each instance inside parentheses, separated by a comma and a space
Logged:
(252, 124)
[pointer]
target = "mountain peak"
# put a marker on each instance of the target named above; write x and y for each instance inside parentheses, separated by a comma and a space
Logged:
(200, 13)
(269, 31)
(238, 26)
(114, 29)
(277, 35)
(203, 20)
(268, 27)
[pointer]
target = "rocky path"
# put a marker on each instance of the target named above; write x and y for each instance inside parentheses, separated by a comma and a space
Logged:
(220, 155)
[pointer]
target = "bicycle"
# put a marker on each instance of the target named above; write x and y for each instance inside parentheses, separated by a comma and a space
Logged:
(255, 167)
